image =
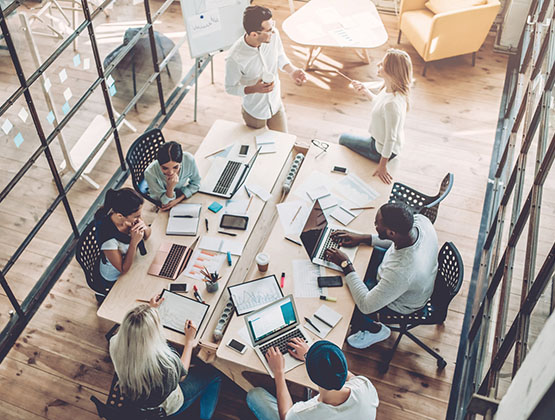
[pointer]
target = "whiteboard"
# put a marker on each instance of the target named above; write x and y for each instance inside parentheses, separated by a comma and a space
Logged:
(212, 25)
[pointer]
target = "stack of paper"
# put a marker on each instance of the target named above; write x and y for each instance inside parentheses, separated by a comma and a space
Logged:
(266, 142)
(212, 243)
(324, 319)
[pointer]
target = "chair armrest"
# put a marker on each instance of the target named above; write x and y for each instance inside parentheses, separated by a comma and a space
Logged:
(407, 5)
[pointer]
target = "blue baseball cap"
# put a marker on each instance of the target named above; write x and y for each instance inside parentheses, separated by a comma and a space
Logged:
(326, 365)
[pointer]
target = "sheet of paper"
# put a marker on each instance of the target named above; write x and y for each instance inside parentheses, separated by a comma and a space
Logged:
(322, 319)
(212, 243)
(266, 142)
(244, 336)
(305, 276)
(343, 37)
(175, 310)
(204, 23)
(328, 201)
(317, 192)
(315, 180)
(354, 189)
(252, 295)
(236, 206)
(259, 191)
(292, 216)
(201, 258)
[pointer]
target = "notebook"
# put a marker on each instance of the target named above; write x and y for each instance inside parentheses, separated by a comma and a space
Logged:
(266, 142)
(184, 219)
(324, 319)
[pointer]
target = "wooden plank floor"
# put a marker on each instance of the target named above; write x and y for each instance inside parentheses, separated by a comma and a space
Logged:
(61, 358)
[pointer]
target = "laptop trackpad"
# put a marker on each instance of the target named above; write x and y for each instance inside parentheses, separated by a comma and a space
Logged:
(290, 362)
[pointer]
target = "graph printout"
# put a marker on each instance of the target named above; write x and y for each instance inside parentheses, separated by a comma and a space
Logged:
(252, 295)
(175, 310)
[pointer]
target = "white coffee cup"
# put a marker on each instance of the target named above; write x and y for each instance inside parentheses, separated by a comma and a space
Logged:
(262, 260)
(267, 77)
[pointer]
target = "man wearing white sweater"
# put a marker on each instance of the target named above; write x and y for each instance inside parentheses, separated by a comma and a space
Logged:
(401, 273)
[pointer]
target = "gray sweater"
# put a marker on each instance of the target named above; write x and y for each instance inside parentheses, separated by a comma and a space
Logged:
(405, 277)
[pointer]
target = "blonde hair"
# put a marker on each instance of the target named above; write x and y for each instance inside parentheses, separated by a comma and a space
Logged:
(142, 359)
(398, 66)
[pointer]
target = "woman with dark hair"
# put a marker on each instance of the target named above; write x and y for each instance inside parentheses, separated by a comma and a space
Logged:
(173, 177)
(120, 230)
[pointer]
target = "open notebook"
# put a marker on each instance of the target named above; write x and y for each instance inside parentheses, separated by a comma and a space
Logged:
(184, 219)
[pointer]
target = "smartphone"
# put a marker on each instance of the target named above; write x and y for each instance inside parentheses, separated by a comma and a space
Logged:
(339, 170)
(178, 287)
(330, 281)
(244, 150)
(231, 221)
(237, 346)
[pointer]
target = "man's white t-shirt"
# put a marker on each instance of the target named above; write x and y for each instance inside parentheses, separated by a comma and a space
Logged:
(361, 404)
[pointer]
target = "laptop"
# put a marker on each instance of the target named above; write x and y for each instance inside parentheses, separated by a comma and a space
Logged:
(171, 259)
(225, 176)
(316, 238)
(275, 325)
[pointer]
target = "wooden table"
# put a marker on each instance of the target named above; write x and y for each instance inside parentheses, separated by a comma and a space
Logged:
(283, 252)
(137, 284)
(336, 23)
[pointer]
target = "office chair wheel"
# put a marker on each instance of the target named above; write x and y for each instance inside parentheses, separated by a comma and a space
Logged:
(441, 364)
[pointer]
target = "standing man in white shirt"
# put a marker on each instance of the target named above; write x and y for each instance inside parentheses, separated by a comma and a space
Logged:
(341, 395)
(252, 70)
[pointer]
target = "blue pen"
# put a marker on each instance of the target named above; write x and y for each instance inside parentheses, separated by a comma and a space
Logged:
(228, 258)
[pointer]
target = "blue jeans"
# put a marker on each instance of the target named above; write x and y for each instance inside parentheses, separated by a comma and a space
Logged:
(262, 404)
(365, 146)
(362, 321)
(202, 381)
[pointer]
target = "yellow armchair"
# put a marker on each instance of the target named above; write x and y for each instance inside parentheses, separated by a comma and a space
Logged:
(448, 33)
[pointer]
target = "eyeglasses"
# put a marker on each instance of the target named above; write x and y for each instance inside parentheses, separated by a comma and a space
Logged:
(320, 145)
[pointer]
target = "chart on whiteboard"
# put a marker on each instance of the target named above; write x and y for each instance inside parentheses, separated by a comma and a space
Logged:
(250, 296)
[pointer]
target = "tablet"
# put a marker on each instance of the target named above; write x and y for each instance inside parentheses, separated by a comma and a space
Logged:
(254, 294)
(176, 309)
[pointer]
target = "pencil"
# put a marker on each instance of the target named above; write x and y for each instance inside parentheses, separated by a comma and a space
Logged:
(296, 214)
(362, 208)
(250, 201)
(143, 300)
(215, 152)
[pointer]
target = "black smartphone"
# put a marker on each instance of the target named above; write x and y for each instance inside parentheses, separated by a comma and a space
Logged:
(178, 287)
(237, 346)
(330, 281)
(339, 169)
(231, 221)
(244, 150)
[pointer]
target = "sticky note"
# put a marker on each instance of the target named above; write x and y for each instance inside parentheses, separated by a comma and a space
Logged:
(50, 117)
(67, 94)
(215, 207)
(113, 90)
(86, 63)
(63, 75)
(7, 126)
(23, 115)
(65, 108)
(18, 139)
(110, 80)
(76, 60)
(47, 84)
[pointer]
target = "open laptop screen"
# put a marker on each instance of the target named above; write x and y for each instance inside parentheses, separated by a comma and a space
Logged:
(313, 228)
(271, 319)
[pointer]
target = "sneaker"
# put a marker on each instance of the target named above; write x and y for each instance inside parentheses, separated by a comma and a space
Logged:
(364, 339)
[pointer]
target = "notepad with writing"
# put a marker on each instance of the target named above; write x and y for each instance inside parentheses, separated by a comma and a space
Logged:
(184, 219)
(324, 319)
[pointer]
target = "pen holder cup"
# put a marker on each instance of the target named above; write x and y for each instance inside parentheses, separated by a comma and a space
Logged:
(212, 287)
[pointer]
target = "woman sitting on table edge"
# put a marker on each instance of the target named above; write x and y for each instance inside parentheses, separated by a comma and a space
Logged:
(120, 231)
(388, 116)
(151, 374)
(173, 177)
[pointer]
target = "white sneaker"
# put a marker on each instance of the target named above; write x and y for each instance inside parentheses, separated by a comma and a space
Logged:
(364, 339)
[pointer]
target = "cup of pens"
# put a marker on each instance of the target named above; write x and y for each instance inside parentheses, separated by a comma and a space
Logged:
(211, 280)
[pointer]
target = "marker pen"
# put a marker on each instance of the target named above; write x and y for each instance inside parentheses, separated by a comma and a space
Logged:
(228, 258)
(328, 298)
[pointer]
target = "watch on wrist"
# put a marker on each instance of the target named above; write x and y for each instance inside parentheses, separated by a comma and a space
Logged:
(345, 264)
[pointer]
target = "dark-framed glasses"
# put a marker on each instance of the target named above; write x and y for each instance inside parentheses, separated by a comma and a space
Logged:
(323, 146)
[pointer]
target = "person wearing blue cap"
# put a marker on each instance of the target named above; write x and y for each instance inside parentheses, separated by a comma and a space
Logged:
(342, 395)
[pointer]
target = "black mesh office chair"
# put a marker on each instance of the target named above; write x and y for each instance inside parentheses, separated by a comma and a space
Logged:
(422, 203)
(87, 255)
(448, 282)
(142, 152)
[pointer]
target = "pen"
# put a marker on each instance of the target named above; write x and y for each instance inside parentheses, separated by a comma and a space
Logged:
(197, 294)
(295, 216)
(183, 216)
(321, 320)
(247, 190)
(328, 298)
(282, 281)
(228, 258)
(311, 324)
(215, 152)
(292, 240)
(250, 201)
(206, 223)
(362, 208)
(142, 300)
(227, 233)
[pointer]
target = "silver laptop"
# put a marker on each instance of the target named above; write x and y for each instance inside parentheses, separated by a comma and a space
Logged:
(275, 325)
(225, 176)
(316, 238)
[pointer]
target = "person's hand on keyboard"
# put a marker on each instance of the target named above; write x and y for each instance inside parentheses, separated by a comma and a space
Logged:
(335, 256)
(275, 361)
(297, 348)
(348, 239)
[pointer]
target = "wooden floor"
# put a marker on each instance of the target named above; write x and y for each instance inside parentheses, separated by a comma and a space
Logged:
(61, 359)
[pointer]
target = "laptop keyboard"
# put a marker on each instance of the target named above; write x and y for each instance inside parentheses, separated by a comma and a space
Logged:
(227, 176)
(282, 341)
(171, 265)
(330, 243)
